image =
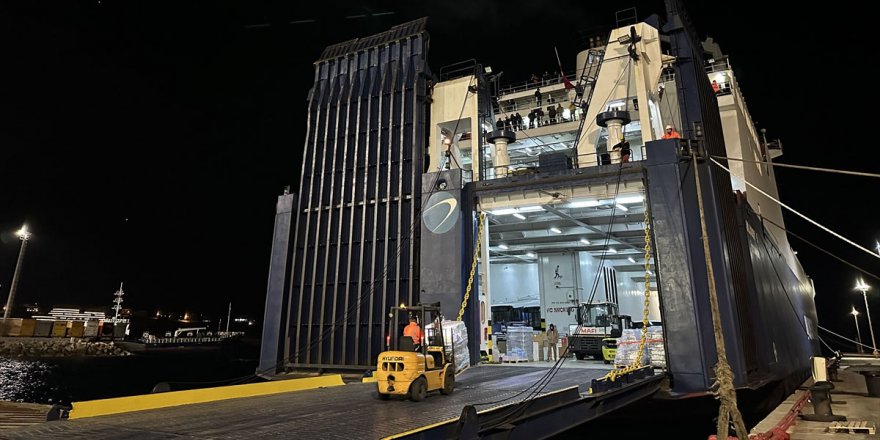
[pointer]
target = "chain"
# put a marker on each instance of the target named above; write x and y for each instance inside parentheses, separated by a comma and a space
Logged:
(470, 284)
(614, 374)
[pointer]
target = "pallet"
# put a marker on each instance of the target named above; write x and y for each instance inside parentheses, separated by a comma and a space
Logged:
(860, 427)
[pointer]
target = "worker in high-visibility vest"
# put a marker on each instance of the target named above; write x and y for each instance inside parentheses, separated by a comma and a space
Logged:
(414, 331)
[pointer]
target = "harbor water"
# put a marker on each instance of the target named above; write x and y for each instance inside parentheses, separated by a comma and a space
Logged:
(49, 380)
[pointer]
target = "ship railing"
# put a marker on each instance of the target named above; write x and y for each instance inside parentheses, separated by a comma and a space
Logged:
(541, 82)
(559, 161)
(713, 66)
(532, 104)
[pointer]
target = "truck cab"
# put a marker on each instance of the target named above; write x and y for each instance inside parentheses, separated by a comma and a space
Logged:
(594, 334)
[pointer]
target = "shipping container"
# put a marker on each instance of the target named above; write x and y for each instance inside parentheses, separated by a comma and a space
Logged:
(59, 329)
(27, 327)
(76, 329)
(43, 329)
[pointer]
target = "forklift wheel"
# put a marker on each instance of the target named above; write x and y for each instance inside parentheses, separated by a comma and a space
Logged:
(448, 383)
(418, 390)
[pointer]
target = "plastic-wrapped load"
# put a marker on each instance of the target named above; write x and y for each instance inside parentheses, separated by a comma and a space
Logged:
(455, 340)
(656, 348)
(519, 344)
(628, 348)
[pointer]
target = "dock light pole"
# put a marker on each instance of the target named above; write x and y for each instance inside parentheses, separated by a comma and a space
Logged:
(24, 235)
(855, 314)
(864, 288)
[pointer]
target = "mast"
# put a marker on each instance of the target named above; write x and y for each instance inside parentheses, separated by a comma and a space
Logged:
(228, 317)
(117, 302)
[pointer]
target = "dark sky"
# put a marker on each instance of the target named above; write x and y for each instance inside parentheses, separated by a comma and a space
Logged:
(146, 142)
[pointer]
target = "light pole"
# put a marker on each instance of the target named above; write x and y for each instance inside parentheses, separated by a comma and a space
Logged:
(24, 235)
(855, 314)
(861, 286)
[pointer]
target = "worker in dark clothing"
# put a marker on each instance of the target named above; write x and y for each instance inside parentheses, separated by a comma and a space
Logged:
(538, 96)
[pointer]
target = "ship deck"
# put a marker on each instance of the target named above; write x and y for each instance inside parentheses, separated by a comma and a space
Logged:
(349, 411)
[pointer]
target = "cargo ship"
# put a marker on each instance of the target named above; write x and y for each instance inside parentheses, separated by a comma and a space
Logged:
(550, 195)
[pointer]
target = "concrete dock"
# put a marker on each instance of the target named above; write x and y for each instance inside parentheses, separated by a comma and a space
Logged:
(849, 398)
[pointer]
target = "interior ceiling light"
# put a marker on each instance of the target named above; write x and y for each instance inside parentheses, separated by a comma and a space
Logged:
(630, 199)
(583, 204)
(503, 246)
(556, 230)
(519, 216)
(631, 260)
(621, 207)
(531, 255)
(509, 211)
(612, 251)
(585, 241)
(529, 209)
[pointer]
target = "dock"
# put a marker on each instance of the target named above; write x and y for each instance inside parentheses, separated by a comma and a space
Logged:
(849, 398)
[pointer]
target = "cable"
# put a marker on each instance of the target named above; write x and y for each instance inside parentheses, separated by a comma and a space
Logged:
(842, 337)
(871, 253)
(823, 250)
(801, 167)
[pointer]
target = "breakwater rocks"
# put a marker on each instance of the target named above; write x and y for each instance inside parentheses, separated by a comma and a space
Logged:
(68, 347)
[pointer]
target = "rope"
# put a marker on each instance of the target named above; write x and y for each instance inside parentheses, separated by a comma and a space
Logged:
(725, 392)
(876, 277)
(802, 167)
(842, 337)
(871, 253)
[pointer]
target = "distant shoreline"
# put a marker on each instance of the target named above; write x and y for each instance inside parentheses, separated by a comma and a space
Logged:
(25, 347)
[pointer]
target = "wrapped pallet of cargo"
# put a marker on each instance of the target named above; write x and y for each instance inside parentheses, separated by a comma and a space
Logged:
(43, 329)
(628, 348)
(76, 329)
(656, 346)
(27, 327)
(519, 344)
(59, 329)
(91, 328)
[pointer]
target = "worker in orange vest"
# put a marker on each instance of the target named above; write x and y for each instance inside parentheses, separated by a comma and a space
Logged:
(414, 331)
(671, 133)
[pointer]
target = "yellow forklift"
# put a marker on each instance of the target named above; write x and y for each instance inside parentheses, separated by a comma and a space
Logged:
(412, 368)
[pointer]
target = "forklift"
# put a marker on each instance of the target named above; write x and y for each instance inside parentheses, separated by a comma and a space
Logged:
(410, 368)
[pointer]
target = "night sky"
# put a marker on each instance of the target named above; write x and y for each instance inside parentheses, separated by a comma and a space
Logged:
(146, 142)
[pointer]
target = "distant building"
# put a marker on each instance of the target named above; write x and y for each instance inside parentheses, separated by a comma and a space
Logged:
(69, 314)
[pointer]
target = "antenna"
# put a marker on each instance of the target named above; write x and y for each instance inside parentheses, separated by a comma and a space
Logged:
(118, 302)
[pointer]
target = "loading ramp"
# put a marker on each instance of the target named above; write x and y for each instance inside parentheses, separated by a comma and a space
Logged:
(353, 410)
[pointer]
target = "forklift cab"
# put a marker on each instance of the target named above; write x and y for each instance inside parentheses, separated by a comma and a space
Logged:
(430, 322)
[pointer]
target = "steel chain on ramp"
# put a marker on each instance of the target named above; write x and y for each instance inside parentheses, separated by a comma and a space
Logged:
(470, 284)
(637, 363)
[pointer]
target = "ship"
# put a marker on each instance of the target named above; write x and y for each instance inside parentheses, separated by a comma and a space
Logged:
(450, 187)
